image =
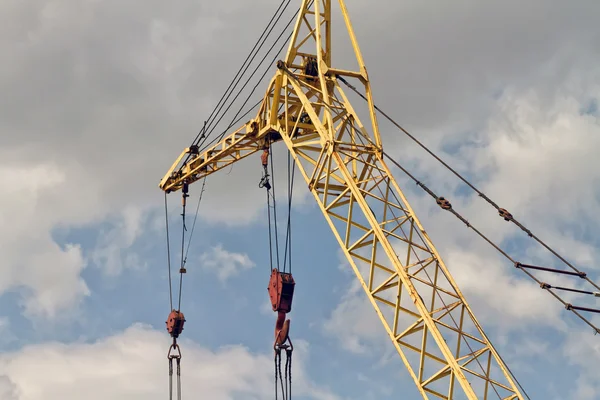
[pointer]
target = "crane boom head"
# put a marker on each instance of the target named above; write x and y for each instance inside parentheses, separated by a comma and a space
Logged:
(308, 58)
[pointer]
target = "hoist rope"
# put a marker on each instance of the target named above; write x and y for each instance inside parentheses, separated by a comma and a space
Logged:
(280, 376)
(276, 378)
(267, 69)
(194, 223)
(168, 254)
(183, 230)
(249, 58)
(255, 70)
(288, 373)
(288, 238)
(274, 207)
(273, 226)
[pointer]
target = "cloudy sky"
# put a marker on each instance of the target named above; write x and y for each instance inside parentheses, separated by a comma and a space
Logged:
(97, 99)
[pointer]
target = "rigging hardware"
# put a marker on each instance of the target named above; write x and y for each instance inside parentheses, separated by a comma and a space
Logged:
(174, 354)
(176, 319)
(281, 283)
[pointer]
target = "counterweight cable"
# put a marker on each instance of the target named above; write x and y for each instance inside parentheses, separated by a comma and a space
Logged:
(288, 238)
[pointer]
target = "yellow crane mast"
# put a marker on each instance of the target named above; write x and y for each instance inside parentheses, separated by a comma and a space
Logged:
(427, 318)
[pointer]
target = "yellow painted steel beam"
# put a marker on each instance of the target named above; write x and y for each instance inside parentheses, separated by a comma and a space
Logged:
(427, 318)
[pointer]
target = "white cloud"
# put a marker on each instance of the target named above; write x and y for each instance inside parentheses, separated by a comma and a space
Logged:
(113, 250)
(8, 390)
(133, 365)
(48, 275)
(225, 264)
(583, 350)
(355, 325)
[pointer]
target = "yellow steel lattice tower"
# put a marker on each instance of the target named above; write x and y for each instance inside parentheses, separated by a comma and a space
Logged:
(422, 309)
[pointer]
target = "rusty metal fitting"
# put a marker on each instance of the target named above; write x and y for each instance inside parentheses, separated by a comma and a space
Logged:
(505, 214)
(442, 202)
(175, 323)
(264, 158)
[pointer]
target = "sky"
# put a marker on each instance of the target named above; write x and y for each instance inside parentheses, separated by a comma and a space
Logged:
(98, 98)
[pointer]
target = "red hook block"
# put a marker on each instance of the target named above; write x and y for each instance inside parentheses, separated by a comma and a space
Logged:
(175, 323)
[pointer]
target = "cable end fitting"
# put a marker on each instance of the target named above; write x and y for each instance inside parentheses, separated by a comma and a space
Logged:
(443, 203)
(505, 214)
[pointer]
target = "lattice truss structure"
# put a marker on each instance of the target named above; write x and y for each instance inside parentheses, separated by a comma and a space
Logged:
(444, 348)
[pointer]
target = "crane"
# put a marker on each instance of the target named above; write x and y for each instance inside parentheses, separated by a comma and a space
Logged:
(341, 159)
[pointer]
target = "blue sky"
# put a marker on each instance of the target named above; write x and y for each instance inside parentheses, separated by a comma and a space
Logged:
(98, 100)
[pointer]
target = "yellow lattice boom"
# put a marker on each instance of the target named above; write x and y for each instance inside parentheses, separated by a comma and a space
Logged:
(427, 318)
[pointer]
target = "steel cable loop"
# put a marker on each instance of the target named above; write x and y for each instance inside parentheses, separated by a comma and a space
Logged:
(170, 379)
(276, 378)
(280, 375)
(178, 378)
(274, 208)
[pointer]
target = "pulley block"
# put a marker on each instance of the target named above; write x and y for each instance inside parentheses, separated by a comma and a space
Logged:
(175, 323)
(281, 291)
